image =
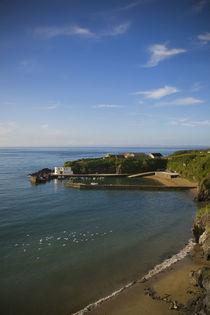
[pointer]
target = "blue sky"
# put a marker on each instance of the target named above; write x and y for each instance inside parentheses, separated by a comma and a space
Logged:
(108, 73)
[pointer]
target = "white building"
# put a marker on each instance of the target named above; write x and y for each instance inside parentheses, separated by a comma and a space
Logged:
(63, 171)
(155, 155)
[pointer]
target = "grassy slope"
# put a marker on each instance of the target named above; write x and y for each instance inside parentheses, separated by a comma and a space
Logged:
(203, 211)
(116, 165)
(192, 164)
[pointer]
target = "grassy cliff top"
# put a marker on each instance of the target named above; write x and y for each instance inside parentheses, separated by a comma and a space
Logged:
(192, 164)
(203, 211)
(191, 152)
(116, 165)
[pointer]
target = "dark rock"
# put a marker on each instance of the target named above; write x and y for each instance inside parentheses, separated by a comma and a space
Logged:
(202, 194)
(41, 176)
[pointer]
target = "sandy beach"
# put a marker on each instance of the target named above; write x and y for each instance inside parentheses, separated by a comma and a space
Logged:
(171, 290)
(177, 181)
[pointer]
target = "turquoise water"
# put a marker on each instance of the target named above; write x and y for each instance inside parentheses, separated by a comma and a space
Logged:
(62, 248)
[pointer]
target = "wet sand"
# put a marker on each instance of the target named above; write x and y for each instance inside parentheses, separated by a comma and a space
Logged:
(167, 292)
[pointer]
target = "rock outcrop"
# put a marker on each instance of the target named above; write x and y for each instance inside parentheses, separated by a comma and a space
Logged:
(203, 194)
(41, 176)
(201, 231)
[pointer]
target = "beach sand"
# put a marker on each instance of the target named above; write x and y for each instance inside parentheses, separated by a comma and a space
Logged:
(177, 181)
(167, 292)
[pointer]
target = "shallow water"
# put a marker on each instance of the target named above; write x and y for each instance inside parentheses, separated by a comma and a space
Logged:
(62, 248)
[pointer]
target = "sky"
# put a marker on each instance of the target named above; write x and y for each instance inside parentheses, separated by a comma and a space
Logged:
(104, 73)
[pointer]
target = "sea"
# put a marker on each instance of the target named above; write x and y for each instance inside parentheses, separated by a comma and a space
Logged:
(62, 249)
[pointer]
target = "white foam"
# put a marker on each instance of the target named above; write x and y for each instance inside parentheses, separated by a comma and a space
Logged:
(168, 262)
(158, 268)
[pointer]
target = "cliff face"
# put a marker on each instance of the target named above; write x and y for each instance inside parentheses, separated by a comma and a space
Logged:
(203, 194)
(201, 231)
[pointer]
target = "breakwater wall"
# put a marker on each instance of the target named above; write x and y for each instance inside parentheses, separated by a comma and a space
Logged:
(128, 187)
(142, 174)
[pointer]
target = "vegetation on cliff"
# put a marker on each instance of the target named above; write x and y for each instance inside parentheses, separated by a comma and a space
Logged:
(205, 211)
(116, 165)
(193, 165)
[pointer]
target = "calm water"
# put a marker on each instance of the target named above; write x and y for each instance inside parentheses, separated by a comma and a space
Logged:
(62, 249)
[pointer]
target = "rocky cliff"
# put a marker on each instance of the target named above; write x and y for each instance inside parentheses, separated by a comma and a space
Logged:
(201, 231)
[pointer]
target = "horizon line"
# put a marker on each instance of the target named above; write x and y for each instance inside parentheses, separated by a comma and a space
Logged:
(114, 146)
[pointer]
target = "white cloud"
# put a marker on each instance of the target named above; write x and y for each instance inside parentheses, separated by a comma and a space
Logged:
(160, 52)
(118, 29)
(53, 31)
(189, 123)
(158, 93)
(180, 102)
(107, 106)
(205, 38)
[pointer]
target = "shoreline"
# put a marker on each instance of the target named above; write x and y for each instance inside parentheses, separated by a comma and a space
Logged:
(165, 265)
(170, 290)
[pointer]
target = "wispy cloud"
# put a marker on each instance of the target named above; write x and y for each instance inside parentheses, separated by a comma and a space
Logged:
(117, 30)
(54, 106)
(131, 5)
(199, 6)
(3, 130)
(189, 123)
(158, 93)
(28, 64)
(187, 101)
(196, 123)
(53, 31)
(178, 121)
(7, 127)
(197, 86)
(204, 38)
(107, 106)
(47, 131)
(160, 52)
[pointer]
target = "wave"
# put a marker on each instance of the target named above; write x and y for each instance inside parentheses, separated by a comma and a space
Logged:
(157, 269)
